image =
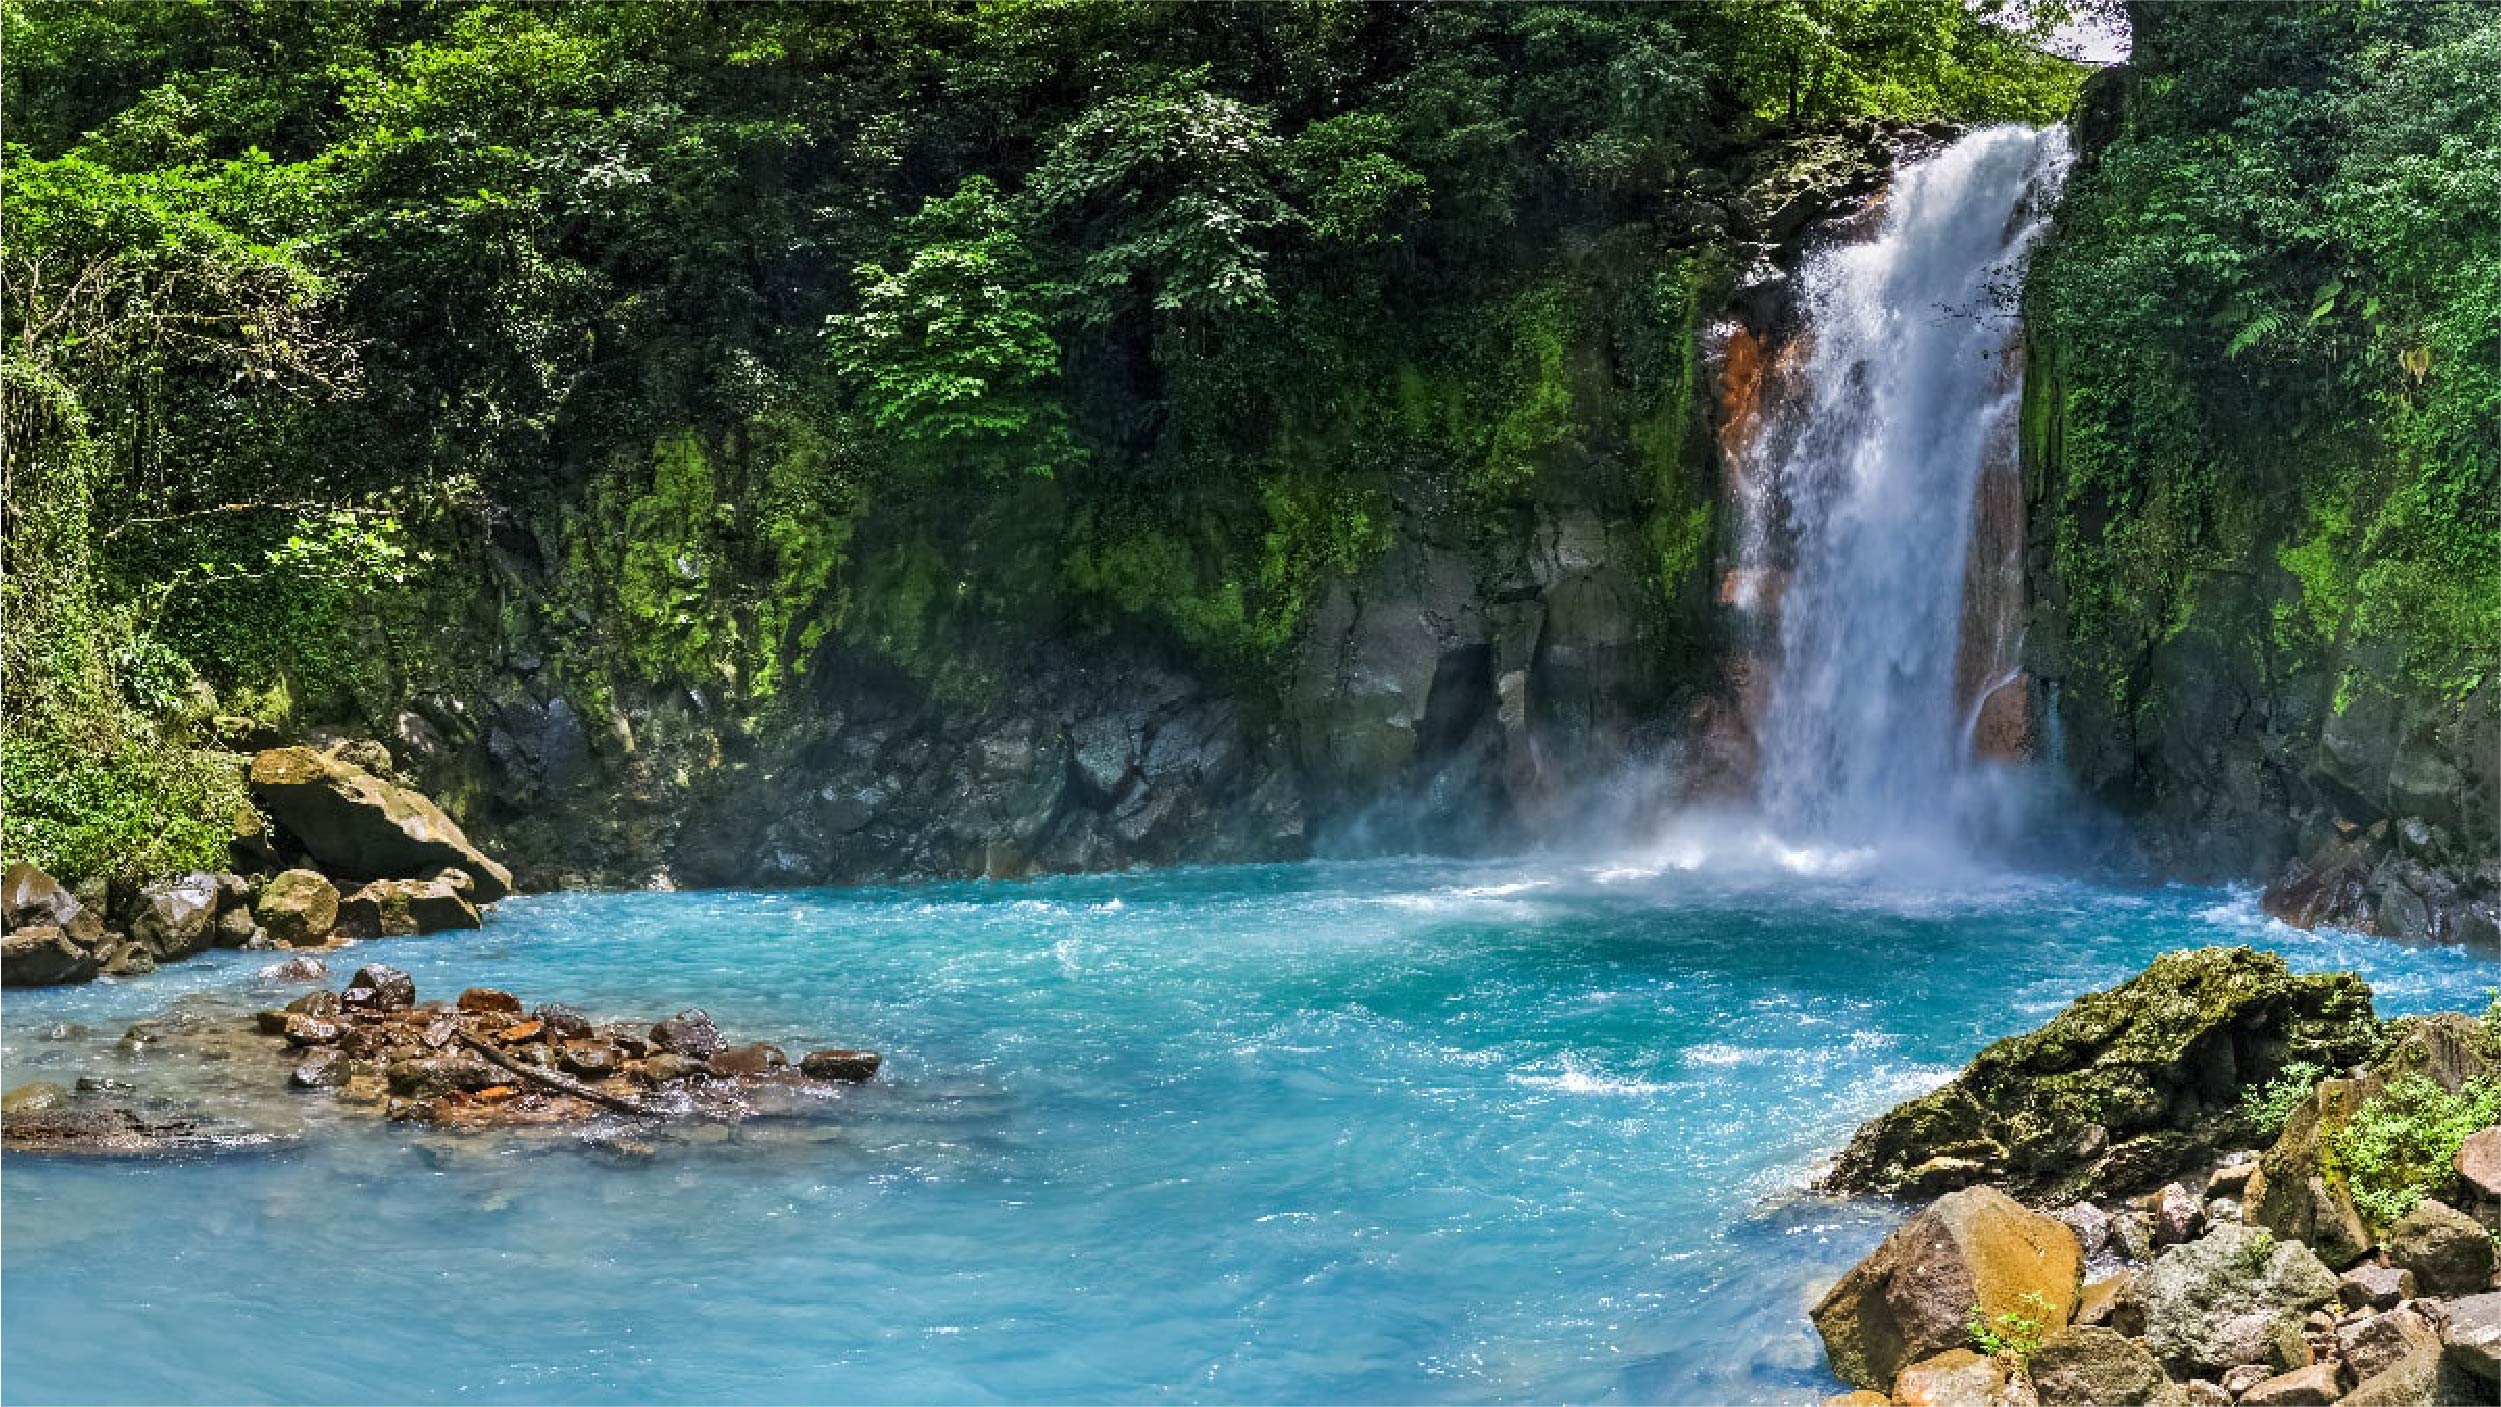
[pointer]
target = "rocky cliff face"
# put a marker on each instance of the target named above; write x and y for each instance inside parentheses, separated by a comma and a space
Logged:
(2229, 612)
(1486, 662)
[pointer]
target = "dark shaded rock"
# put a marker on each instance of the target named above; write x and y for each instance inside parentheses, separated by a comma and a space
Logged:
(174, 916)
(41, 955)
(1914, 1296)
(359, 825)
(2095, 1367)
(29, 896)
(299, 908)
(323, 1069)
(399, 908)
(376, 987)
(297, 969)
(755, 1058)
(2375, 1286)
(96, 1128)
(432, 1076)
(852, 1065)
(2239, 1295)
(317, 1003)
(690, 1034)
(234, 928)
(666, 1068)
(310, 1030)
(2124, 1087)
(563, 1023)
(489, 1000)
(2449, 1252)
(590, 1059)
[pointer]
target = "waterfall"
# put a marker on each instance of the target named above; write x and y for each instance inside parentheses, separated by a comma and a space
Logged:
(1906, 393)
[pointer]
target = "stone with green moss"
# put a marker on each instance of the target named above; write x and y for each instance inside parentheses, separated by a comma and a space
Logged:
(2124, 1088)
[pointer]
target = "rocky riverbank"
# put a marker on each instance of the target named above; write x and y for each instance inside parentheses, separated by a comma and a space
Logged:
(2219, 1182)
(331, 852)
(481, 1061)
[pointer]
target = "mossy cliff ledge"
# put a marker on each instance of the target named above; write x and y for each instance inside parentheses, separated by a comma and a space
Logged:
(2299, 1205)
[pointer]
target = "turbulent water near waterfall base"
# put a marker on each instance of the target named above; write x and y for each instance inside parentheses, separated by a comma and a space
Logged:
(1382, 1131)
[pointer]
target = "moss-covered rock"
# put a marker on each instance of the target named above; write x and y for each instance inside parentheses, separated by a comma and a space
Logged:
(2123, 1088)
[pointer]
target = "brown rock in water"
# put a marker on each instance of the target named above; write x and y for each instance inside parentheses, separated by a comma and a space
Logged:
(563, 1023)
(2124, 1088)
(488, 999)
(665, 1068)
(297, 969)
(310, 1030)
(1957, 1377)
(436, 1075)
(359, 825)
(299, 908)
(317, 1003)
(382, 988)
(399, 908)
(590, 1059)
(41, 955)
(2097, 1367)
(519, 1031)
(1914, 1297)
(323, 1069)
(175, 916)
(690, 1034)
(851, 1065)
(755, 1058)
(2449, 1252)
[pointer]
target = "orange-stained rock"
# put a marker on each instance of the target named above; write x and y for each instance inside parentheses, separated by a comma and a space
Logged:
(1913, 1298)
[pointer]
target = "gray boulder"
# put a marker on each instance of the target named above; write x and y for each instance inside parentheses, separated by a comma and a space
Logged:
(2238, 1295)
(176, 916)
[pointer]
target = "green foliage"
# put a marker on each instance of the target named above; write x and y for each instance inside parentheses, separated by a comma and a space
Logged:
(2268, 1106)
(2268, 325)
(951, 350)
(2014, 1332)
(2402, 1144)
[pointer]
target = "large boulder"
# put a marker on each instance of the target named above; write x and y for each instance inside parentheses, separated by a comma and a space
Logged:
(40, 955)
(392, 908)
(2098, 1367)
(1915, 1296)
(2238, 1295)
(2298, 1191)
(2449, 1252)
(2122, 1089)
(360, 826)
(30, 897)
(176, 917)
(299, 908)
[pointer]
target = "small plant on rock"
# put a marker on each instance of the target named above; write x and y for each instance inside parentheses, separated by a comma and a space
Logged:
(2267, 1106)
(2015, 1332)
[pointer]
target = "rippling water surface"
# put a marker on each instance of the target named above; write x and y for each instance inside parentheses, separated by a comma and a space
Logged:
(1378, 1132)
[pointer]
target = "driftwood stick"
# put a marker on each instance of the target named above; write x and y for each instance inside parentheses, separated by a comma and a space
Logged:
(559, 1083)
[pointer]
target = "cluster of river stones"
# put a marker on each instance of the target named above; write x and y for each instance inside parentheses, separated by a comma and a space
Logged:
(2108, 1233)
(348, 854)
(481, 1061)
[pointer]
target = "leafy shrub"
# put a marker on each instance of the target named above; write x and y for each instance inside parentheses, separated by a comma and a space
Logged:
(2402, 1144)
(2268, 1106)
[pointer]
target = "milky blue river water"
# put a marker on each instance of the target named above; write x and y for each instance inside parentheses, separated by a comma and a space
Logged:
(1367, 1132)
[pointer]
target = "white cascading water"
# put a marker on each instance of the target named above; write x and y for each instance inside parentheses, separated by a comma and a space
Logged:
(1905, 392)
